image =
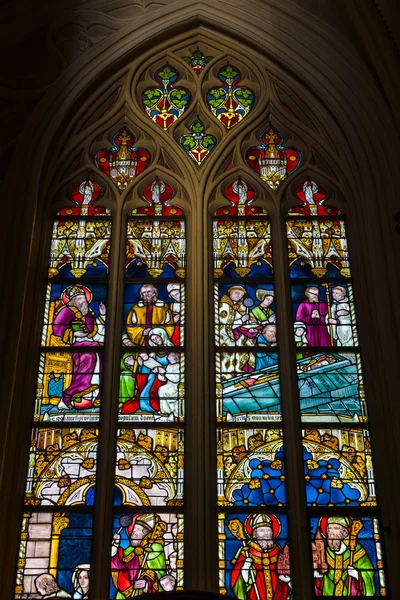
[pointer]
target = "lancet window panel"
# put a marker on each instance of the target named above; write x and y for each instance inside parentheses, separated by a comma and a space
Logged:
(346, 548)
(57, 525)
(147, 551)
(253, 550)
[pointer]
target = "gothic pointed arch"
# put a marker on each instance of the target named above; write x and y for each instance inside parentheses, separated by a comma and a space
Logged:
(193, 121)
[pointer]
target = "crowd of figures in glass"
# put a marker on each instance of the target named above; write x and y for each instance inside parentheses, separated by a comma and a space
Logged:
(247, 379)
(346, 548)
(55, 547)
(152, 361)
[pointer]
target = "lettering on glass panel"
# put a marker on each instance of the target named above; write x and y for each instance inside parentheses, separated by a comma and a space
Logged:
(152, 383)
(331, 387)
(245, 393)
(74, 318)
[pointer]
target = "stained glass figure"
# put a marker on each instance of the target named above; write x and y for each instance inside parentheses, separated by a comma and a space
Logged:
(64, 380)
(158, 196)
(254, 556)
(312, 196)
(246, 390)
(318, 248)
(250, 469)
(230, 102)
(54, 555)
(149, 467)
(199, 143)
(338, 467)
(84, 196)
(324, 314)
(245, 316)
(146, 554)
(80, 245)
(75, 317)
(271, 160)
(122, 162)
(152, 384)
(198, 61)
(153, 315)
(331, 387)
(347, 556)
(167, 102)
(62, 467)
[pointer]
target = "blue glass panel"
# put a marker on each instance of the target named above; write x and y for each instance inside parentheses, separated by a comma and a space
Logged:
(55, 554)
(250, 467)
(338, 467)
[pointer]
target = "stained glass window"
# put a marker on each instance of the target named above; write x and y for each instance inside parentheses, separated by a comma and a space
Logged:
(253, 549)
(106, 458)
(345, 546)
(55, 547)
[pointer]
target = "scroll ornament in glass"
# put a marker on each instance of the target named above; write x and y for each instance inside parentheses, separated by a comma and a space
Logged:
(197, 60)
(80, 244)
(199, 143)
(271, 160)
(166, 103)
(122, 162)
(62, 467)
(230, 102)
(338, 467)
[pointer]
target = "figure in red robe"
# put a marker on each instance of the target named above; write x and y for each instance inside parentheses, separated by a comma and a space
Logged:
(260, 570)
(312, 313)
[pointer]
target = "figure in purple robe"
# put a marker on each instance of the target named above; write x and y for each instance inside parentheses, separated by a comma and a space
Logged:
(76, 325)
(312, 312)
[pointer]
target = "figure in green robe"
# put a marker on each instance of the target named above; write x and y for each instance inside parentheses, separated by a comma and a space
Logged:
(347, 569)
(263, 313)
